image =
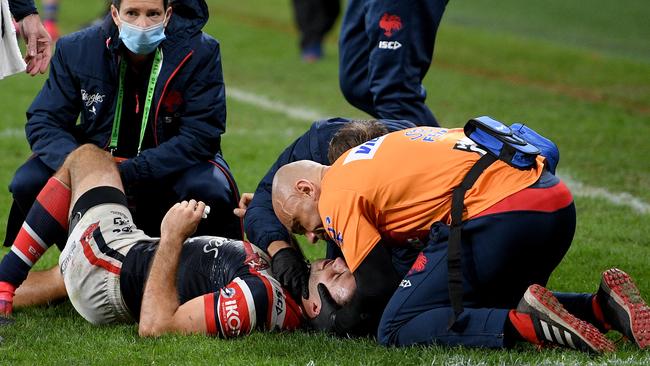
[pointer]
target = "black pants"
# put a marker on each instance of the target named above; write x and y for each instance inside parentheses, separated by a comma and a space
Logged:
(314, 19)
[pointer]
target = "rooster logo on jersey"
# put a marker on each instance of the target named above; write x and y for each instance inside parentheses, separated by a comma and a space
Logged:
(390, 23)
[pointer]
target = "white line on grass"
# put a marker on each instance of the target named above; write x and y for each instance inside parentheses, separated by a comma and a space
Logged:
(261, 101)
(305, 114)
(617, 198)
(12, 133)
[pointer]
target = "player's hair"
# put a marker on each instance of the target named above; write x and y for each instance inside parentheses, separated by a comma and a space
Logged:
(117, 3)
(354, 133)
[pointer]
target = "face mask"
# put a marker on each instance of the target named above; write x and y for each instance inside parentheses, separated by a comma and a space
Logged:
(142, 41)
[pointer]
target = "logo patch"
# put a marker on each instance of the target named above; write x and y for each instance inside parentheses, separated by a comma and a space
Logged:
(90, 100)
(419, 265)
(389, 45)
(465, 144)
(336, 236)
(405, 283)
(228, 292)
(390, 23)
(173, 100)
(365, 151)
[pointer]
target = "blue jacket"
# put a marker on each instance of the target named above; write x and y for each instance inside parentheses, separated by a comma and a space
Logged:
(260, 223)
(21, 8)
(188, 112)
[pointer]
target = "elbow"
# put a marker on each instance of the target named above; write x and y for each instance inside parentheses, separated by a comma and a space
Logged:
(151, 329)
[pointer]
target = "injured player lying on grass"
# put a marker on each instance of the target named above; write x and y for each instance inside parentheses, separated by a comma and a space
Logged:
(113, 272)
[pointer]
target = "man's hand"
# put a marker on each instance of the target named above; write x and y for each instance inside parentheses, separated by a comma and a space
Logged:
(244, 201)
(292, 271)
(181, 220)
(39, 44)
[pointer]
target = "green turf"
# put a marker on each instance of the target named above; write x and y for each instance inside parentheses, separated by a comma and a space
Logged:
(578, 72)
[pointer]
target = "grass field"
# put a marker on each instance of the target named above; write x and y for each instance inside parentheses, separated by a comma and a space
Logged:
(578, 73)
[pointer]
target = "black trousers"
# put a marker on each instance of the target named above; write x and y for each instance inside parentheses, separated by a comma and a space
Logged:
(314, 19)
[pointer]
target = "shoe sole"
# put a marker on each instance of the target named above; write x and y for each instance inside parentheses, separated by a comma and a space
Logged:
(626, 296)
(543, 301)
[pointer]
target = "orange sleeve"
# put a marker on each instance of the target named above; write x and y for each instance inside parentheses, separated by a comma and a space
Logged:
(349, 221)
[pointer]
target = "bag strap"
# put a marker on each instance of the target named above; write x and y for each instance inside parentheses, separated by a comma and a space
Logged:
(454, 249)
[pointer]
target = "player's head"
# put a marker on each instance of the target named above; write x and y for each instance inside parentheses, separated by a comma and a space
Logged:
(337, 279)
(295, 195)
(354, 133)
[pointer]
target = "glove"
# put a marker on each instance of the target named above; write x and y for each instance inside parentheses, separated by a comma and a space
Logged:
(292, 270)
(6, 298)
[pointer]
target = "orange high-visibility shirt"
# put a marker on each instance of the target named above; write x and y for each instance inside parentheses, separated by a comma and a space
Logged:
(393, 188)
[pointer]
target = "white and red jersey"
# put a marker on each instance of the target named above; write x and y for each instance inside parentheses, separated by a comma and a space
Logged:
(233, 277)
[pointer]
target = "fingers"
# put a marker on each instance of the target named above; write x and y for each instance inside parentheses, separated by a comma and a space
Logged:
(239, 212)
(32, 41)
(245, 200)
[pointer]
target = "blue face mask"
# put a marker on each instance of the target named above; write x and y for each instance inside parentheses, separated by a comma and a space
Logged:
(142, 41)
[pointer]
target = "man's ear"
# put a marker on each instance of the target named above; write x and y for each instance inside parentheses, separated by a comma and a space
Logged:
(313, 309)
(305, 186)
(115, 15)
(168, 15)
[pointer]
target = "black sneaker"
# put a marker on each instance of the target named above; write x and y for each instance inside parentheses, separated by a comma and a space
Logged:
(623, 306)
(553, 324)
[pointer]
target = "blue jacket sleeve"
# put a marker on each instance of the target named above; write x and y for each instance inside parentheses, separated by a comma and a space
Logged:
(201, 126)
(21, 8)
(261, 225)
(52, 116)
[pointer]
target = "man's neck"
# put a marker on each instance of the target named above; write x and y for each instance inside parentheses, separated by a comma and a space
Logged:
(137, 62)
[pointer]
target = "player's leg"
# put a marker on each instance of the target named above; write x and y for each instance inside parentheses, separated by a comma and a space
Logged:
(47, 220)
(101, 234)
(41, 288)
(27, 182)
(400, 40)
(353, 58)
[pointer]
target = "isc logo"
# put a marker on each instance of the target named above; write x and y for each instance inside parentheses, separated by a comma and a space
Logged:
(389, 45)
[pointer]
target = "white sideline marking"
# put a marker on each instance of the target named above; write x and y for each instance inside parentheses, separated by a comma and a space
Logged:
(263, 102)
(309, 115)
(617, 198)
(577, 188)
(12, 132)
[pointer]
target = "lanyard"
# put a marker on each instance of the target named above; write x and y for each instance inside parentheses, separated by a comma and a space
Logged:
(151, 87)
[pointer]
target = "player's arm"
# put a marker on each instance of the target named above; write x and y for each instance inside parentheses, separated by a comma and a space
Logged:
(160, 311)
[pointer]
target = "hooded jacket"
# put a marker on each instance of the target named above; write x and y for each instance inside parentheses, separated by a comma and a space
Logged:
(188, 112)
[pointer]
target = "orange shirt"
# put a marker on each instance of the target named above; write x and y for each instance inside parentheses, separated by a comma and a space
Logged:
(394, 187)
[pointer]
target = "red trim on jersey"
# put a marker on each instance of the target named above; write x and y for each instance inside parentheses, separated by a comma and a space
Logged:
(27, 245)
(90, 255)
(293, 313)
(209, 309)
(533, 199)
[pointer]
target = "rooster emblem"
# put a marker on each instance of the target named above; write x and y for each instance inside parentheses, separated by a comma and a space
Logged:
(390, 23)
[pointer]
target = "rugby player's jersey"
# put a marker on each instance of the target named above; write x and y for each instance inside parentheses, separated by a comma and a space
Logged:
(394, 187)
(232, 276)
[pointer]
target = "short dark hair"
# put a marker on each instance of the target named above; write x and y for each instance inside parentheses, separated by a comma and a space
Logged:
(354, 133)
(117, 3)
